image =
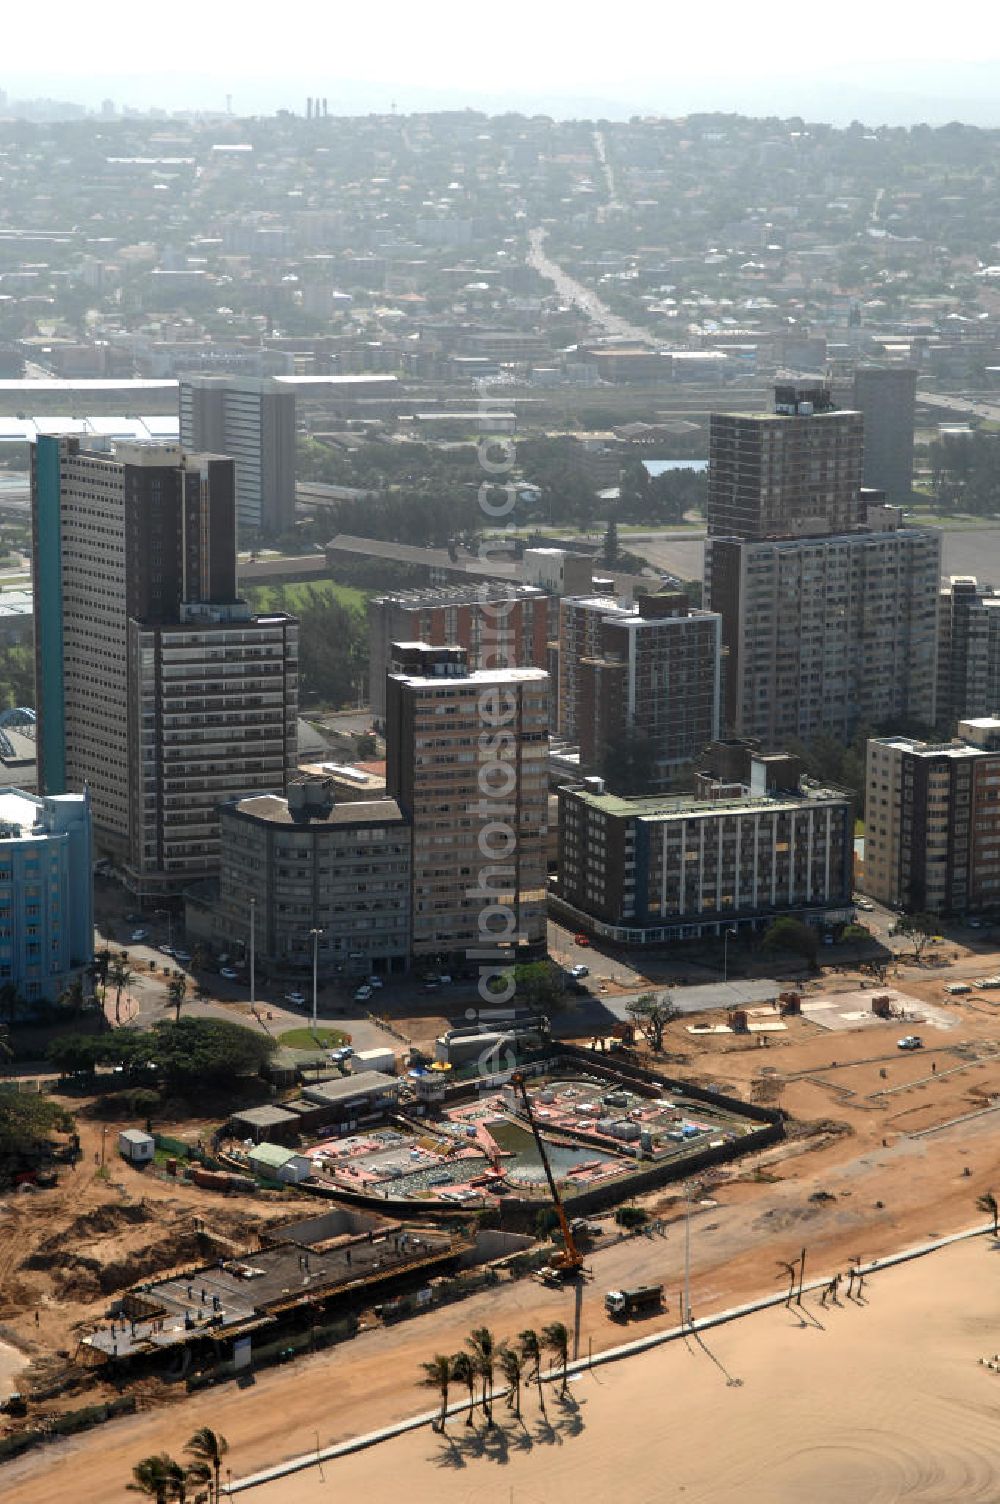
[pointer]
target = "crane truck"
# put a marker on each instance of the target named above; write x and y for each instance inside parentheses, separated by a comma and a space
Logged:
(569, 1260)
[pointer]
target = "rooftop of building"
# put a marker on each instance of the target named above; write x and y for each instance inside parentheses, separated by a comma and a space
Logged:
(272, 809)
(683, 806)
(459, 594)
(19, 812)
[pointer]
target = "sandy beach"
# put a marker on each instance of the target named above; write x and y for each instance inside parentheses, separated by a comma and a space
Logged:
(856, 1404)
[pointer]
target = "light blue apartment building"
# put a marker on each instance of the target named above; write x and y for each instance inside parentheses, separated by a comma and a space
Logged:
(46, 891)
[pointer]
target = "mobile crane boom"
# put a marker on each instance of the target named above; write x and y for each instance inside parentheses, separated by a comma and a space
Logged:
(571, 1259)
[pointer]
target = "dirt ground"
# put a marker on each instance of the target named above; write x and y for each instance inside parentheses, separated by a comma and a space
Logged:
(66, 1252)
(883, 1152)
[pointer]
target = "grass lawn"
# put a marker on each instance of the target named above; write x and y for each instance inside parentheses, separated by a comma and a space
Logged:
(305, 1039)
(294, 596)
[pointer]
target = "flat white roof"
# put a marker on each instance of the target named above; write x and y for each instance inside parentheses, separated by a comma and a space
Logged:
(18, 809)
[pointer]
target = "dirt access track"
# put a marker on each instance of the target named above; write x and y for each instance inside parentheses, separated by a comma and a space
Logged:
(886, 1149)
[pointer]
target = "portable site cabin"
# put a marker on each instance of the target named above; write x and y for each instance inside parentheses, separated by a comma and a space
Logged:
(136, 1146)
(274, 1162)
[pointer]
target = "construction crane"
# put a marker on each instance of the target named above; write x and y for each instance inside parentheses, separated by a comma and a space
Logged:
(569, 1260)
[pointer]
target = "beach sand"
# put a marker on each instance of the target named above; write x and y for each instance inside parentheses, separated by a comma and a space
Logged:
(857, 1404)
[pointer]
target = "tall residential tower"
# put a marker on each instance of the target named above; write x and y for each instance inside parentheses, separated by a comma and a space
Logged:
(157, 688)
(253, 420)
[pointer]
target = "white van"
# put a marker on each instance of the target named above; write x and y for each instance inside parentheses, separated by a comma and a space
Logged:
(957, 988)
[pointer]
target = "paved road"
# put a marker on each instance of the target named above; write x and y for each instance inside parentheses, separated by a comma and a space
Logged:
(581, 296)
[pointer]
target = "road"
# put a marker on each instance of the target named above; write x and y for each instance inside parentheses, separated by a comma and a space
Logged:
(576, 293)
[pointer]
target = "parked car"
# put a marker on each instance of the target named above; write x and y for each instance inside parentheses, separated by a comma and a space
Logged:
(229, 974)
(582, 939)
(183, 956)
(958, 988)
(910, 1042)
(579, 971)
(865, 905)
(297, 999)
(138, 936)
(341, 1054)
(374, 981)
(444, 979)
(363, 994)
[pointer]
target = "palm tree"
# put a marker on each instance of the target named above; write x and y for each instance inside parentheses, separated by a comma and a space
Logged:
(555, 1338)
(177, 1481)
(71, 997)
(153, 1476)
(512, 1368)
(176, 993)
(208, 1448)
(437, 1375)
(988, 1203)
(463, 1371)
(483, 1349)
(530, 1349)
(119, 975)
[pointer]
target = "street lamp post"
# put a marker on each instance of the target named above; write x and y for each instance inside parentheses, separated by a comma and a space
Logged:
(315, 939)
(253, 953)
(725, 953)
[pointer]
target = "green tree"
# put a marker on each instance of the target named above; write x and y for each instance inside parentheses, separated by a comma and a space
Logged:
(207, 1448)
(437, 1375)
(987, 1203)
(483, 1350)
(176, 993)
(540, 986)
(27, 1124)
(154, 1477)
(555, 1340)
(791, 935)
(651, 1014)
(463, 1371)
(120, 976)
(916, 927)
(530, 1350)
(512, 1368)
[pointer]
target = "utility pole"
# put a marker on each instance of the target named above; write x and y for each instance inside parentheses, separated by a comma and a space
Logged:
(802, 1270)
(253, 953)
(315, 939)
(687, 1258)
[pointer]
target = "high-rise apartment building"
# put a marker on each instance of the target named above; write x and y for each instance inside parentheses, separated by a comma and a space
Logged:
(157, 688)
(825, 633)
(932, 820)
(788, 473)
(885, 396)
(968, 651)
(467, 761)
(500, 625)
(252, 419)
(650, 670)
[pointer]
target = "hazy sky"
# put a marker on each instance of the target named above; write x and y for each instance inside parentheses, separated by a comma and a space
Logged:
(668, 57)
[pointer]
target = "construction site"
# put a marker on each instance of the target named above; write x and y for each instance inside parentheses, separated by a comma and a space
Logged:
(877, 1146)
(608, 1131)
